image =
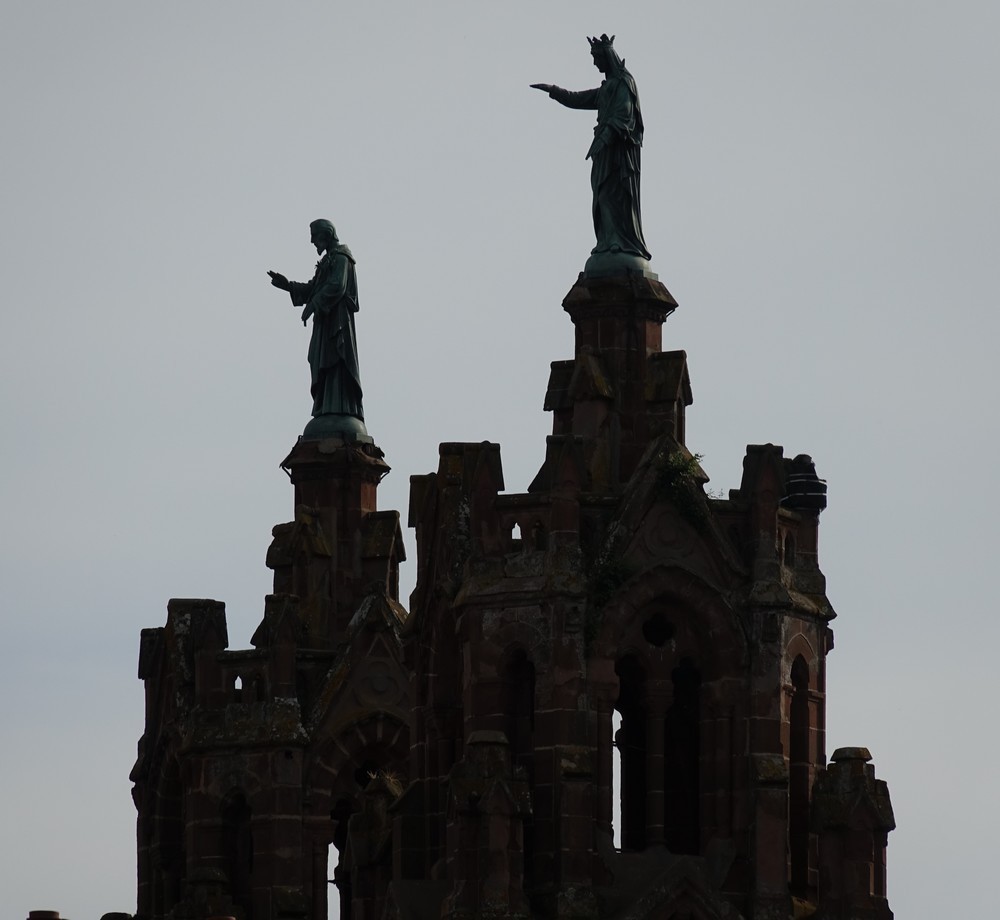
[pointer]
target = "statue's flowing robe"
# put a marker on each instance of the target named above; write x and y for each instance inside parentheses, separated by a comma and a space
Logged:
(332, 297)
(614, 176)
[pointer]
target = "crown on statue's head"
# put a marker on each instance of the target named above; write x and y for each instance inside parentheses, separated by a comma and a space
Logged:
(602, 42)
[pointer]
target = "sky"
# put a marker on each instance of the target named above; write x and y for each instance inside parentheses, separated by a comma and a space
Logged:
(820, 194)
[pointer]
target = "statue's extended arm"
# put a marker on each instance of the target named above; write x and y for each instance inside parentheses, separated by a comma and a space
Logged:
(585, 99)
(300, 292)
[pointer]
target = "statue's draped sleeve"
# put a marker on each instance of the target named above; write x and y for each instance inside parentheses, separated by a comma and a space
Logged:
(300, 291)
(615, 110)
(327, 288)
(582, 99)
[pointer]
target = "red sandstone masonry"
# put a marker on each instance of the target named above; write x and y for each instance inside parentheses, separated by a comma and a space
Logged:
(458, 756)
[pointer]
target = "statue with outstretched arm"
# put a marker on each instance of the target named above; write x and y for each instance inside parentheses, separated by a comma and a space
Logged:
(614, 153)
(331, 300)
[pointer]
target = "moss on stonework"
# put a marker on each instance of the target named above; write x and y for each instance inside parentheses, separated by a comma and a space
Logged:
(608, 576)
(677, 481)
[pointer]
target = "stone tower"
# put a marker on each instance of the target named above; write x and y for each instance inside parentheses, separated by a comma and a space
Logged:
(460, 756)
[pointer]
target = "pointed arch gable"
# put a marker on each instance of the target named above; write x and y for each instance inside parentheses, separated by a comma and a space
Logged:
(369, 679)
(680, 893)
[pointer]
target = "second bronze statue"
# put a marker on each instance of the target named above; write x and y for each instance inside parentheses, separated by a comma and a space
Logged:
(331, 300)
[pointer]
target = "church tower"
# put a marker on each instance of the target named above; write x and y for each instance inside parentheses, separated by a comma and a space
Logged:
(616, 592)
(459, 758)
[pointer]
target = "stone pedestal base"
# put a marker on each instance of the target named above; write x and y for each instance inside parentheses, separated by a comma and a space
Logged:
(345, 427)
(607, 264)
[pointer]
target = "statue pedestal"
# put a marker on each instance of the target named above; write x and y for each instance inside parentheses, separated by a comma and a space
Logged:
(609, 264)
(344, 427)
(621, 390)
(339, 545)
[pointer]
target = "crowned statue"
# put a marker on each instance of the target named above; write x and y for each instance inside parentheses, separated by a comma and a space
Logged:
(614, 155)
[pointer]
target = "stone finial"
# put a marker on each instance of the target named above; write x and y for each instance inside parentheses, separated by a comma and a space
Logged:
(844, 754)
(848, 789)
(804, 490)
(852, 815)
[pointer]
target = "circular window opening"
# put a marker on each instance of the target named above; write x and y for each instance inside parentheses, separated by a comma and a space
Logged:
(658, 630)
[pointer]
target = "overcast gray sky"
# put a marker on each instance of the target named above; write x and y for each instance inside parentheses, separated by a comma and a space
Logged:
(820, 194)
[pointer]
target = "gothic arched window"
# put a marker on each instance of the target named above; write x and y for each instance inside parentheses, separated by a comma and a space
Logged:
(798, 778)
(631, 743)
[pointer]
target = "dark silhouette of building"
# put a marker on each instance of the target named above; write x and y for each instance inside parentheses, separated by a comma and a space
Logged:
(459, 756)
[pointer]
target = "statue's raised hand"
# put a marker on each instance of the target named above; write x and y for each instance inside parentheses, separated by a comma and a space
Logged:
(544, 87)
(280, 281)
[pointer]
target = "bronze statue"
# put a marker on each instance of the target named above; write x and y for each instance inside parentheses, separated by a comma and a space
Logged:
(331, 299)
(614, 154)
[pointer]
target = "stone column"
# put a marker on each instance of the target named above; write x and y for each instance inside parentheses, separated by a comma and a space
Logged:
(488, 800)
(605, 761)
(320, 883)
(575, 833)
(716, 757)
(658, 698)
(769, 776)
